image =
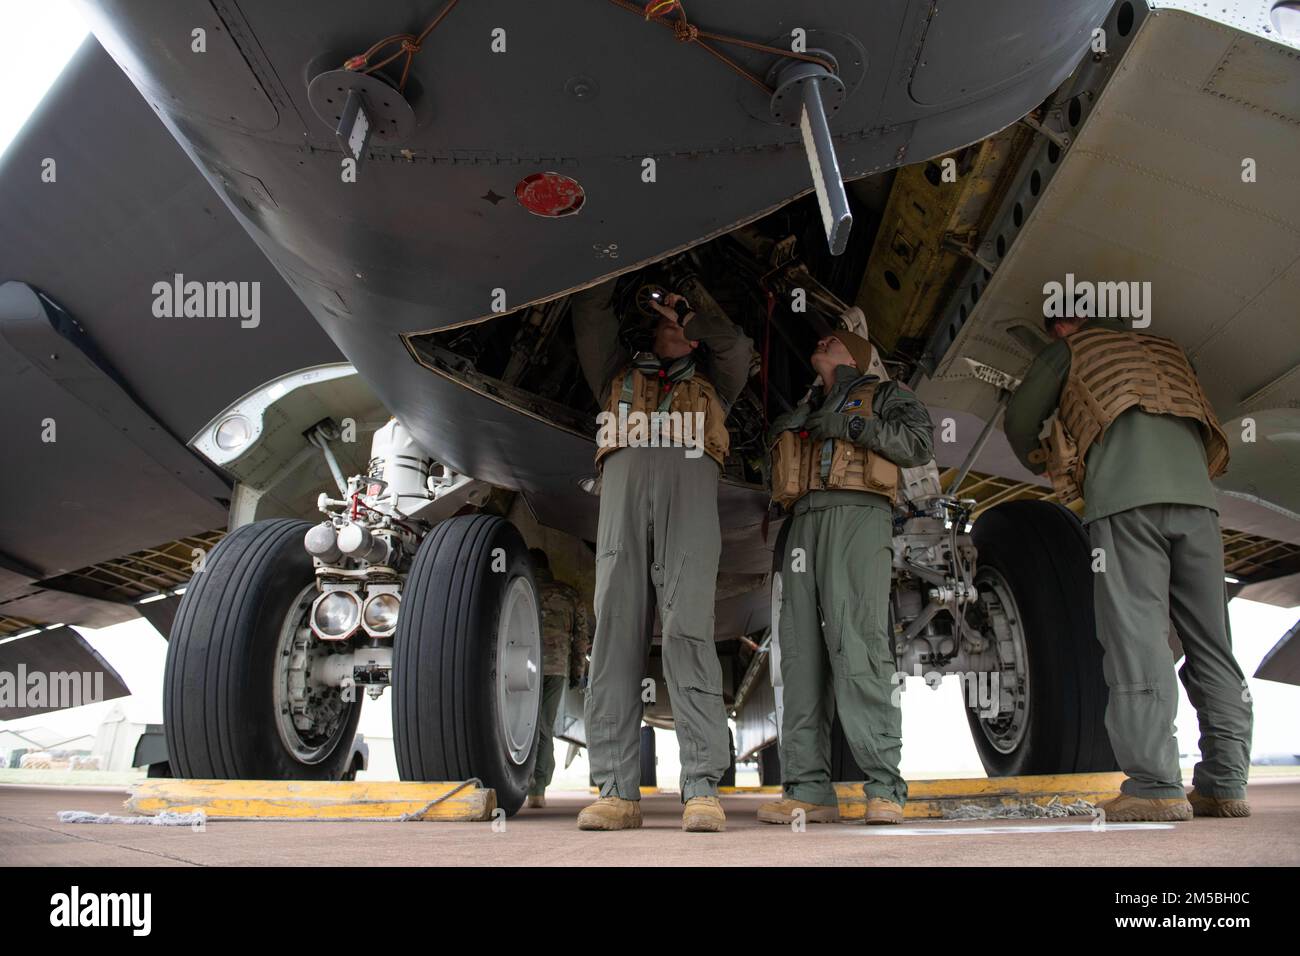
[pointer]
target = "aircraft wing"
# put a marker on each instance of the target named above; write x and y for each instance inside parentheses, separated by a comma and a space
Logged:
(105, 504)
(1170, 161)
(52, 671)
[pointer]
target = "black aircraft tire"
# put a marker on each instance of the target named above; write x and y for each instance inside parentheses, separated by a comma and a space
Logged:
(769, 765)
(844, 768)
(729, 775)
(1041, 552)
(449, 719)
(649, 759)
(219, 707)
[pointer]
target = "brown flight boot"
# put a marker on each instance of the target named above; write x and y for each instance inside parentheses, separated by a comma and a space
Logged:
(1203, 806)
(1129, 809)
(536, 801)
(881, 811)
(611, 813)
(783, 811)
(703, 815)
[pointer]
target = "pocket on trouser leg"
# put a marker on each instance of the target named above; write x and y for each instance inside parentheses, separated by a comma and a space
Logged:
(786, 623)
(695, 688)
(612, 574)
(606, 567)
(706, 759)
(1139, 722)
(692, 664)
(688, 594)
(862, 647)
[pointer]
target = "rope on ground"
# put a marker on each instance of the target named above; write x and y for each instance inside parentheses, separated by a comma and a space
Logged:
(170, 818)
(1026, 810)
(167, 818)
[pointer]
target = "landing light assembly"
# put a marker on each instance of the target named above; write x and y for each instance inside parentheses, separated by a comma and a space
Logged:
(336, 614)
(379, 614)
(233, 433)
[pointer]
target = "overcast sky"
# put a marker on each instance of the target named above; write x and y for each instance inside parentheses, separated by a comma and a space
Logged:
(39, 39)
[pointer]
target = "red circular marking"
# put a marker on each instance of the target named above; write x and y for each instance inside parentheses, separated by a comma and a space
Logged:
(803, 433)
(550, 194)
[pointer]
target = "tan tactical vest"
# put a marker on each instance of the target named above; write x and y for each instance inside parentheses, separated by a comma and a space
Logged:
(801, 465)
(648, 395)
(1111, 372)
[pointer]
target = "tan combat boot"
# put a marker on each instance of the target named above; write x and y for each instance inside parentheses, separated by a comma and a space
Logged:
(611, 813)
(783, 811)
(881, 811)
(1204, 806)
(703, 815)
(536, 801)
(1130, 809)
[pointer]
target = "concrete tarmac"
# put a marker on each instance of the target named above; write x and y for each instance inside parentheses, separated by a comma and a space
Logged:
(30, 835)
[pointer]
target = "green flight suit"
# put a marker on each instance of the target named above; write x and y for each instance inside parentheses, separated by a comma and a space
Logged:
(657, 544)
(565, 643)
(833, 629)
(1150, 508)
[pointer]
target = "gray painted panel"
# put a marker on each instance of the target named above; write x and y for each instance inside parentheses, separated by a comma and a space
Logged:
(112, 480)
(128, 210)
(974, 47)
(64, 651)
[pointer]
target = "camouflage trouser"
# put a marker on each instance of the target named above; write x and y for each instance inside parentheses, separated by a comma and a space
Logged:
(552, 694)
(658, 543)
(1165, 562)
(835, 652)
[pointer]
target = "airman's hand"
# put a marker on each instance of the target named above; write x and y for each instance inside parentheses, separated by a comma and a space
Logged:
(828, 423)
(790, 421)
(668, 308)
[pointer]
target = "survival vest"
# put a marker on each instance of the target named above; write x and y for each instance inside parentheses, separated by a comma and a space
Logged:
(1111, 372)
(801, 464)
(650, 392)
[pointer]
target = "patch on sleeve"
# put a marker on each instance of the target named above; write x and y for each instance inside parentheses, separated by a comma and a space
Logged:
(857, 402)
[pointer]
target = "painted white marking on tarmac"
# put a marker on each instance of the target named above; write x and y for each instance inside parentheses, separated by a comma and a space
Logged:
(986, 831)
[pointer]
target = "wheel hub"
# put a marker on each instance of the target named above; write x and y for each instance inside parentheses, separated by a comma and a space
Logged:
(310, 714)
(1006, 730)
(519, 656)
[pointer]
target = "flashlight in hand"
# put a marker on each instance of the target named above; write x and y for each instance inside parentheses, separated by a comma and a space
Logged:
(681, 306)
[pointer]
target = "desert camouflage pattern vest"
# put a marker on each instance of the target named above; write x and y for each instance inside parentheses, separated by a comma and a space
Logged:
(801, 465)
(1111, 372)
(633, 391)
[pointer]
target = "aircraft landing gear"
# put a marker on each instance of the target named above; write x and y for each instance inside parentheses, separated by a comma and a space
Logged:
(467, 655)
(242, 692)
(1035, 589)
